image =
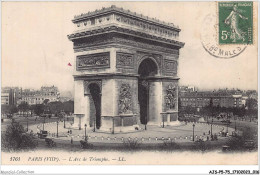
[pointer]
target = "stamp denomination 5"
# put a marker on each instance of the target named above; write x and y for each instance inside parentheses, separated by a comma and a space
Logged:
(235, 22)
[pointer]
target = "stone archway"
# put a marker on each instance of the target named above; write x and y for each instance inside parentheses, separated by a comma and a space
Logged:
(147, 68)
(124, 60)
(95, 105)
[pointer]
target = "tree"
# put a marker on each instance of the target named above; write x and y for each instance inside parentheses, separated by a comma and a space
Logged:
(8, 109)
(16, 138)
(55, 107)
(251, 103)
(5, 109)
(13, 109)
(38, 109)
(23, 107)
(68, 106)
(46, 101)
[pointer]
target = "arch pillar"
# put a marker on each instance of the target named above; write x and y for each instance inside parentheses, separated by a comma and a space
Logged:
(155, 102)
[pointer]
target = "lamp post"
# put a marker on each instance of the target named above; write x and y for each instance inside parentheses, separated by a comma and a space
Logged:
(85, 132)
(227, 127)
(193, 132)
(64, 123)
(43, 122)
(27, 121)
(235, 124)
(211, 128)
(64, 119)
(57, 128)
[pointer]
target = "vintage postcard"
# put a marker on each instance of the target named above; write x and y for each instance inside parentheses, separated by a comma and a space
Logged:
(130, 83)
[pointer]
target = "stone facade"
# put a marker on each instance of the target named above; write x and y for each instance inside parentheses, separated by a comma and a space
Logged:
(111, 46)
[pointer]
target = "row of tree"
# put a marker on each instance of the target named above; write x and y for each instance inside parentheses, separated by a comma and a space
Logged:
(249, 110)
(39, 109)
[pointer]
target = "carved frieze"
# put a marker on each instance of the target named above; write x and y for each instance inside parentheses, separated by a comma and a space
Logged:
(155, 29)
(125, 99)
(144, 45)
(124, 60)
(100, 60)
(87, 46)
(170, 66)
(171, 97)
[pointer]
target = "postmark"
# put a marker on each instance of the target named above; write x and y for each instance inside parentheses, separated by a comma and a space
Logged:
(209, 40)
(235, 22)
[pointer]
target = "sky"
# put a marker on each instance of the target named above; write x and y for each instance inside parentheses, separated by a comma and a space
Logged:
(36, 50)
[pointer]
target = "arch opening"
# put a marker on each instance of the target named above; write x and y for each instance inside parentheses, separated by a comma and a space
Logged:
(147, 68)
(95, 105)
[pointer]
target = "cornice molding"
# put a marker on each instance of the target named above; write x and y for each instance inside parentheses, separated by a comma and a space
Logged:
(115, 29)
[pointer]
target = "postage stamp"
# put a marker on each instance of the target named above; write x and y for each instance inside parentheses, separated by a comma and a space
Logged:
(235, 22)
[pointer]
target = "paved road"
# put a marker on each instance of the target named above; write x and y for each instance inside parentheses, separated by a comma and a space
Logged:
(181, 133)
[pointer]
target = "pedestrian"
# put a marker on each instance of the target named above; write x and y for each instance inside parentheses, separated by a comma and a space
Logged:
(209, 132)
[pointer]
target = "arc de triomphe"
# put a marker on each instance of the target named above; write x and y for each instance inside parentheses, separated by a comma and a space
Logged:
(125, 70)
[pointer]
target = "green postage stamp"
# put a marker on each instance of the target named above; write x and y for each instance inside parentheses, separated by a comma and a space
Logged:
(235, 22)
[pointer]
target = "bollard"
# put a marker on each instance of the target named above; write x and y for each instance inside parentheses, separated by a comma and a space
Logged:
(102, 138)
(149, 139)
(155, 138)
(108, 138)
(96, 137)
(162, 138)
(175, 138)
(122, 139)
(129, 138)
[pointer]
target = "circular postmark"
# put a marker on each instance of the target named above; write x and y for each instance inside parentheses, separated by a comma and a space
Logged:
(209, 40)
